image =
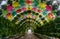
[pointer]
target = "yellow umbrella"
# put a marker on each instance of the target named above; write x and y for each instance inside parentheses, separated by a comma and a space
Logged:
(15, 4)
(42, 5)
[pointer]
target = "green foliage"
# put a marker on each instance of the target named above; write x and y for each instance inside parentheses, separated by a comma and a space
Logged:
(8, 28)
(48, 29)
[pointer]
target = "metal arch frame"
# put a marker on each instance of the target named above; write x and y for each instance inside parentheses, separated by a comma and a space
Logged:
(29, 21)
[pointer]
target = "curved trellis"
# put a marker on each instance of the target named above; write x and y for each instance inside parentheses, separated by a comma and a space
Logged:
(39, 11)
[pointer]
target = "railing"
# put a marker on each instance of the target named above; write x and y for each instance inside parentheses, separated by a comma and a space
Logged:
(12, 36)
(45, 36)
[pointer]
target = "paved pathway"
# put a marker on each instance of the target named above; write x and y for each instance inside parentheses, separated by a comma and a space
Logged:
(29, 36)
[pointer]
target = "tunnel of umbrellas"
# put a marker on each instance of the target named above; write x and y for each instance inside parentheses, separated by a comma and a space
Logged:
(41, 16)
